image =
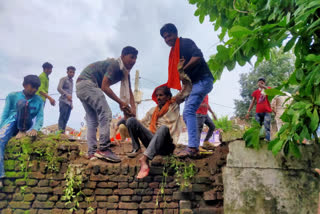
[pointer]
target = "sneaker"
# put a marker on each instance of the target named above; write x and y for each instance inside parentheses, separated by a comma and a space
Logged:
(134, 153)
(107, 155)
(91, 157)
(188, 152)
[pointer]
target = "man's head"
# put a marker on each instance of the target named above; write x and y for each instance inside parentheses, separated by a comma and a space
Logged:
(129, 56)
(70, 71)
(169, 33)
(261, 81)
(163, 94)
(47, 68)
(31, 83)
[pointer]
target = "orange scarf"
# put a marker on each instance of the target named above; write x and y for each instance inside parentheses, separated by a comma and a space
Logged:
(156, 114)
(173, 73)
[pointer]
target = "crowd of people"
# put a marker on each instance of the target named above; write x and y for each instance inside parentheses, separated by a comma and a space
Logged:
(158, 131)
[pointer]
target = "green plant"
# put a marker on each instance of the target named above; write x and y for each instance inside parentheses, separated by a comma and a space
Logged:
(224, 123)
(254, 28)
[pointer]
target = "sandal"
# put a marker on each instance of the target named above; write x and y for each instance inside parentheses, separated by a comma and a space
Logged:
(188, 152)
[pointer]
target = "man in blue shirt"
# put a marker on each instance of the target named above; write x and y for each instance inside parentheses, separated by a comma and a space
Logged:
(20, 108)
(196, 68)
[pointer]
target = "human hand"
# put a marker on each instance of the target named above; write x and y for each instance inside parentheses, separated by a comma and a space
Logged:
(52, 101)
(32, 133)
(181, 63)
(247, 116)
(69, 98)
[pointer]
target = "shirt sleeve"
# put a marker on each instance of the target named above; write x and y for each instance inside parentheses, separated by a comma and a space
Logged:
(6, 110)
(147, 118)
(112, 71)
(39, 117)
(192, 48)
(42, 87)
(60, 87)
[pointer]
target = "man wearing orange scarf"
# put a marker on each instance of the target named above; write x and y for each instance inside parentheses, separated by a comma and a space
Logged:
(188, 58)
(158, 131)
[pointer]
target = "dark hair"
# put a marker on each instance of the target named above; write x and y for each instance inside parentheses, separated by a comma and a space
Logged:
(168, 28)
(71, 68)
(47, 65)
(262, 79)
(129, 50)
(33, 80)
(165, 90)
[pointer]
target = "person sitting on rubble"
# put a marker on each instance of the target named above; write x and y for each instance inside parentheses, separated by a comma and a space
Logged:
(158, 131)
(17, 118)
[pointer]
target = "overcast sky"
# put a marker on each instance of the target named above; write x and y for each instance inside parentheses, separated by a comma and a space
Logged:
(79, 32)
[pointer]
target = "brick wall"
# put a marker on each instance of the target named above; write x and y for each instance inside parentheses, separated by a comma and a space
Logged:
(111, 188)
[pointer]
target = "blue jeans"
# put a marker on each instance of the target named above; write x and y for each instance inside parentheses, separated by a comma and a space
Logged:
(23, 123)
(199, 90)
(65, 111)
(264, 119)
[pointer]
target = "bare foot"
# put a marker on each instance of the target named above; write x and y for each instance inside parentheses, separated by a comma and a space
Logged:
(20, 135)
(144, 170)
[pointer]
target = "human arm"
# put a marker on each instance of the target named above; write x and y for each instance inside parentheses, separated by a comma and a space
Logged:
(63, 92)
(213, 114)
(191, 49)
(6, 110)
(39, 121)
(253, 101)
(51, 100)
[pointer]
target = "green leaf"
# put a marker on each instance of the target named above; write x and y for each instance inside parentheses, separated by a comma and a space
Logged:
(290, 44)
(277, 147)
(314, 120)
(313, 58)
(293, 149)
(239, 31)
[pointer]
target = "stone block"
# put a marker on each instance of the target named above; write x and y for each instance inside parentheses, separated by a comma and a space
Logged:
(43, 205)
(128, 206)
(134, 185)
(102, 211)
(96, 169)
(14, 174)
(186, 211)
(101, 198)
(20, 182)
(42, 190)
(118, 178)
(36, 175)
(171, 205)
(100, 191)
(54, 183)
(146, 198)
(184, 204)
(20, 205)
(113, 199)
(90, 184)
(123, 185)
(99, 177)
(8, 189)
(58, 191)
(42, 197)
(147, 191)
(200, 187)
(2, 196)
(9, 182)
(147, 205)
(125, 198)
(123, 192)
(43, 183)
(154, 185)
(32, 182)
(155, 170)
(132, 212)
(3, 204)
(7, 211)
(107, 205)
(210, 195)
(136, 198)
(9, 165)
(17, 197)
(124, 169)
(54, 198)
(88, 191)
